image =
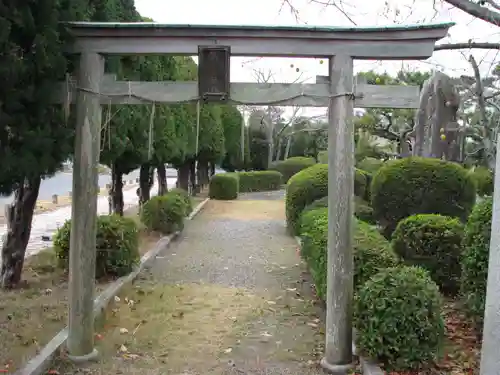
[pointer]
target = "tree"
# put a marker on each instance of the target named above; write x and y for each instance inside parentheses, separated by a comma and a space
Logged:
(35, 136)
(232, 122)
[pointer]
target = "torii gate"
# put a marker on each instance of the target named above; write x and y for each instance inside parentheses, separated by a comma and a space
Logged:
(338, 93)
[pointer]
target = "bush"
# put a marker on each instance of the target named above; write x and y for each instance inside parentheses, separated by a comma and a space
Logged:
(164, 213)
(397, 314)
(117, 245)
(370, 165)
(185, 197)
(259, 181)
(372, 252)
(417, 185)
(291, 166)
(362, 209)
(433, 242)
(309, 185)
(484, 180)
(224, 186)
(475, 257)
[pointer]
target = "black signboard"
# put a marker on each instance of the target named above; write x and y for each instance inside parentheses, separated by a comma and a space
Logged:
(213, 73)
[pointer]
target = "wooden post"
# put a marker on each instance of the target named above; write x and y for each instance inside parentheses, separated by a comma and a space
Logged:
(242, 139)
(84, 210)
(490, 360)
(338, 347)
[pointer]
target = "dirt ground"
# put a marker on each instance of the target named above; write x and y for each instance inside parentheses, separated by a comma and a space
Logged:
(230, 297)
(32, 315)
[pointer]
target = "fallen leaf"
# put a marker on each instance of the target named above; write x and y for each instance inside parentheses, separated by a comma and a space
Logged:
(271, 303)
(117, 299)
(228, 350)
(123, 330)
(123, 349)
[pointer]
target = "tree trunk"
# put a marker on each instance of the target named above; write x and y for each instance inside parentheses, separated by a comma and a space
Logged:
(212, 169)
(117, 204)
(183, 176)
(193, 177)
(162, 179)
(144, 184)
(203, 168)
(19, 217)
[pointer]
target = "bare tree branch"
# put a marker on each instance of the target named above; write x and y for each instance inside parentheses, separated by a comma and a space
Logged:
(469, 45)
(477, 10)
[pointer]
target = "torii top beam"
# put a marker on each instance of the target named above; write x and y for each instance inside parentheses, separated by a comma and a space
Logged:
(387, 43)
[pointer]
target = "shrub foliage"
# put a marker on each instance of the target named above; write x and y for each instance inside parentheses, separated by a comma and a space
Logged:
(293, 165)
(164, 214)
(224, 186)
(398, 318)
(117, 245)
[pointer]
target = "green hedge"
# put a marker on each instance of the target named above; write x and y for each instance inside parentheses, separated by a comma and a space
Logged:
(484, 180)
(224, 186)
(291, 166)
(398, 318)
(433, 242)
(372, 252)
(259, 181)
(309, 185)
(362, 209)
(164, 213)
(416, 185)
(117, 245)
(475, 259)
(185, 197)
(370, 165)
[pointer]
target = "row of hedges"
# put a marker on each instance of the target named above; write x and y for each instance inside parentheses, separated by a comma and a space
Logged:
(309, 185)
(292, 166)
(117, 238)
(227, 186)
(428, 251)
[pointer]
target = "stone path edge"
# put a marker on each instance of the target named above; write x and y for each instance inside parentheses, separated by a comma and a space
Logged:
(39, 364)
(367, 366)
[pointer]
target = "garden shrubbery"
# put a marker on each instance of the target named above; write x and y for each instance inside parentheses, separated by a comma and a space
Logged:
(433, 242)
(370, 165)
(291, 166)
(117, 245)
(416, 185)
(372, 252)
(483, 178)
(259, 181)
(362, 209)
(185, 197)
(164, 213)
(309, 185)
(398, 318)
(476, 247)
(224, 186)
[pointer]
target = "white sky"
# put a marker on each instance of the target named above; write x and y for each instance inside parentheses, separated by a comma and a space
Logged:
(362, 12)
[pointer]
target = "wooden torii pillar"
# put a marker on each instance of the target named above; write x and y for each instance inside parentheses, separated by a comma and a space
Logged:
(339, 45)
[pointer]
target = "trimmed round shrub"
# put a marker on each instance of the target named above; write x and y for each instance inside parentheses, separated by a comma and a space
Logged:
(417, 185)
(433, 242)
(259, 181)
(223, 186)
(398, 318)
(164, 213)
(309, 185)
(370, 165)
(484, 180)
(117, 246)
(291, 166)
(185, 197)
(475, 259)
(372, 252)
(362, 209)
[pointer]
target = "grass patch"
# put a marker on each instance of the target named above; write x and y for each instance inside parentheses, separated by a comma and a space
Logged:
(246, 209)
(31, 315)
(170, 326)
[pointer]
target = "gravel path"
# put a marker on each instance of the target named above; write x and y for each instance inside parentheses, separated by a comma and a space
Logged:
(230, 297)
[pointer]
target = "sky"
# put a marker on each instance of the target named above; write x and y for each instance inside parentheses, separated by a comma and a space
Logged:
(361, 12)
